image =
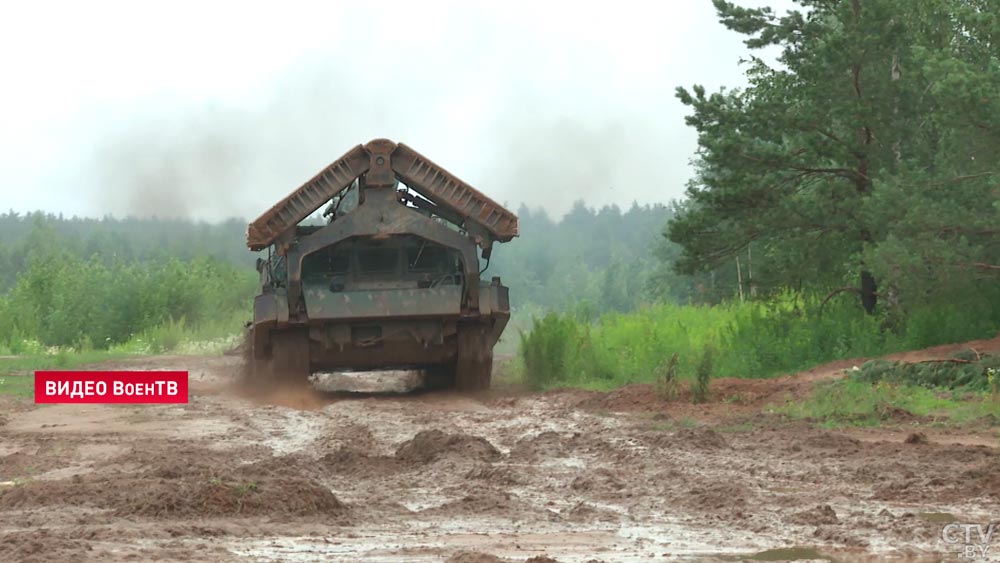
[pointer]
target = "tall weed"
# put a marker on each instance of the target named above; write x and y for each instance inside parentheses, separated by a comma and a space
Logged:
(752, 339)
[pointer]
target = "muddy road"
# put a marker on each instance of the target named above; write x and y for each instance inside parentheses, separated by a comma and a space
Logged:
(574, 476)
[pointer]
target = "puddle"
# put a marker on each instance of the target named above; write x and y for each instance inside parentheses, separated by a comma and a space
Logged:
(390, 381)
(790, 554)
(426, 542)
(98, 419)
(938, 517)
(290, 430)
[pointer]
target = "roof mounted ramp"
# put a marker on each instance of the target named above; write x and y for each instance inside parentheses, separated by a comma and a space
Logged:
(465, 205)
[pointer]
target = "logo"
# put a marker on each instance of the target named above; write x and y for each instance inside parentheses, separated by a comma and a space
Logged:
(111, 387)
(972, 540)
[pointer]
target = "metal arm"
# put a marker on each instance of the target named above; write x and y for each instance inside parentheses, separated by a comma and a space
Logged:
(383, 161)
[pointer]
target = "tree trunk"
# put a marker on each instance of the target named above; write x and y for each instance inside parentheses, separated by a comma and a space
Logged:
(862, 180)
(869, 297)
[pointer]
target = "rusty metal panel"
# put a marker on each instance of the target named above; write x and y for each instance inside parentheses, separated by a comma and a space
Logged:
(321, 303)
(302, 202)
(380, 159)
(486, 299)
(264, 309)
(380, 168)
(444, 189)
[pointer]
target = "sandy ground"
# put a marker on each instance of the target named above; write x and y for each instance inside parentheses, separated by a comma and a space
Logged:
(302, 476)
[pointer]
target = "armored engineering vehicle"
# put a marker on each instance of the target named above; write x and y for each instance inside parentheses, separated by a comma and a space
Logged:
(390, 281)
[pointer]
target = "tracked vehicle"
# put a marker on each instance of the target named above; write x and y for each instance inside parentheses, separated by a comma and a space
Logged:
(390, 281)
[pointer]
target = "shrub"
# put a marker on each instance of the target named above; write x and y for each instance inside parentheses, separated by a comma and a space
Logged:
(703, 377)
(752, 339)
(668, 387)
(64, 301)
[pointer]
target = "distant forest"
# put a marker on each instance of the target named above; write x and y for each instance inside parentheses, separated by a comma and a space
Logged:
(126, 240)
(591, 261)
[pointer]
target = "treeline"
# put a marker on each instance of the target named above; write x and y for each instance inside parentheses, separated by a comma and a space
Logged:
(81, 282)
(110, 239)
(63, 297)
(590, 261)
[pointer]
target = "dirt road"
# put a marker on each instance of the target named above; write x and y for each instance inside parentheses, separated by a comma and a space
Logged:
(575, 476)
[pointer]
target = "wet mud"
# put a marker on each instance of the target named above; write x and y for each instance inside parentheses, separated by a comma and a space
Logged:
(571, 476)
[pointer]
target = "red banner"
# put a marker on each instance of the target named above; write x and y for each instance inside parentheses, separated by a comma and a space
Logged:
(111, 387)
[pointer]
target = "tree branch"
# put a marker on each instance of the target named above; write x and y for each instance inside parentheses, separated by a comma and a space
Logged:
(835, 292)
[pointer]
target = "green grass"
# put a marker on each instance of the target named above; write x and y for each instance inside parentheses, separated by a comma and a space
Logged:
(967, 373)
(69, 358)
(17, 385)
(740, 428)
(850, 402)
(17, 376)
(669, 425)
(16, 371)
(63, 359)
(749, 339)
(940, 393)
(60, 300)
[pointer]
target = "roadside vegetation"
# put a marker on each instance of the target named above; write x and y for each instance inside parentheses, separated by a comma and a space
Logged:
(960, 390)
(750, 339)
(64, 308)
(16, 385)
(832, 214)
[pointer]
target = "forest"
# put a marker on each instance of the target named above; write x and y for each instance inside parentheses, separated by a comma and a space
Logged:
(857, 173)
(862, 222)
(79, 282)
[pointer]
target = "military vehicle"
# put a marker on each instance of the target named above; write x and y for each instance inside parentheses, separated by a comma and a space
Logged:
(390, 281)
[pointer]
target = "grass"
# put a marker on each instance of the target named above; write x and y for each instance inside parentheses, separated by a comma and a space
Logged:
(16, 371)
(949, 392)
(750, 340)
(668, 385)
(740, 428)
(61, 359)
(669, 425)
(702, 377)
(17, 385)
(850, 402)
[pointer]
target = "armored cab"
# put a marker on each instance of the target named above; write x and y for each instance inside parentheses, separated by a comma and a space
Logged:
(391, 281)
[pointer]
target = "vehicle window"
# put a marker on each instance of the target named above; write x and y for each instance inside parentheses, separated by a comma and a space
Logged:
(339, 263)
(427, 258)
(378, 260)
(326, 262)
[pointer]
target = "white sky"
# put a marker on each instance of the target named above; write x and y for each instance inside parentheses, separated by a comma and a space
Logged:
(218, 109)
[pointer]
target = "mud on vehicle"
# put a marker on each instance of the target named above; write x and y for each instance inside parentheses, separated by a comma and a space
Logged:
(391, 281)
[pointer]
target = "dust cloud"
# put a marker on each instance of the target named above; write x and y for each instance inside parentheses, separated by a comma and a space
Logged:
(213, 163)
(529, 102)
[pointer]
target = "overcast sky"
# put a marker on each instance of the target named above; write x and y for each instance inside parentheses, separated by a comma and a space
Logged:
(212, 110)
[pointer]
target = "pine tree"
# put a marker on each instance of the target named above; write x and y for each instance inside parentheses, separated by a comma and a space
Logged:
(868, 150)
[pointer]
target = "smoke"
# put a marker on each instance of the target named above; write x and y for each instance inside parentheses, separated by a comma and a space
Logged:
(216, 162)
(552, 162)
(191, 166)
(220, 112)
(524, 111)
